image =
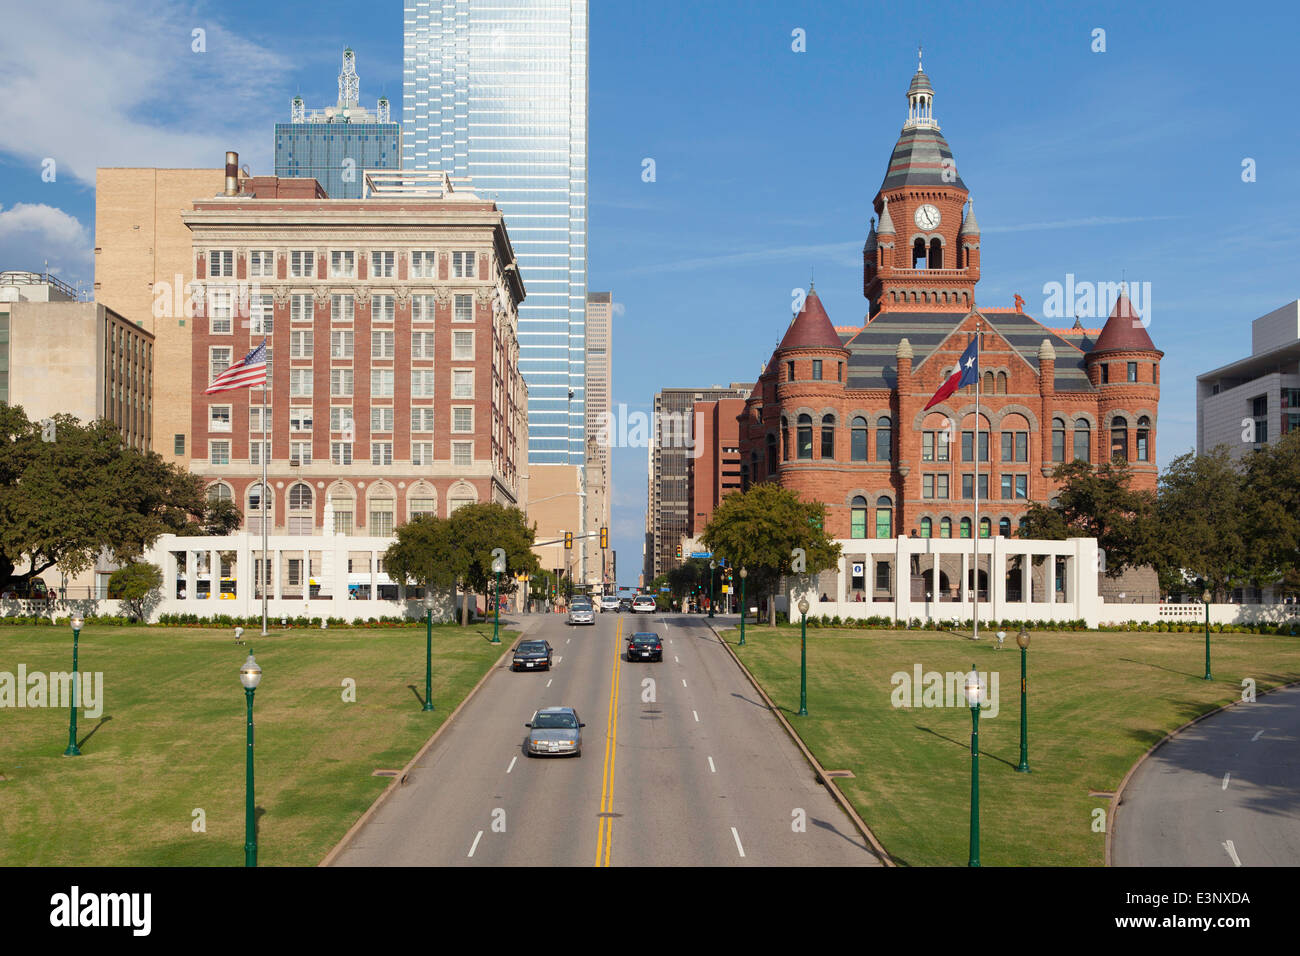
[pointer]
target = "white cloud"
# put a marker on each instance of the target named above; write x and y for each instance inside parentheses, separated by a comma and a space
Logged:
(1076, 223)
(618, 308)
(116, 83)
(32, 234)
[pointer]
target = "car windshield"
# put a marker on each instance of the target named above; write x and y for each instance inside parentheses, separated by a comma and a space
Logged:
(581, 603)
(531, 647)
(555, 722)
(644, 639)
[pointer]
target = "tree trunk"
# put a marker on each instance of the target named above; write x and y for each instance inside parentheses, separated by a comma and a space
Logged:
(771, 607)
(464, 607)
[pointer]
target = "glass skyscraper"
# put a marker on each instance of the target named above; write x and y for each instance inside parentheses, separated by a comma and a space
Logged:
(497, 90)
(336, 145)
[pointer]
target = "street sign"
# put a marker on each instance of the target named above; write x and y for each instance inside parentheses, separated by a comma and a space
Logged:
(857, 569)
(701, 554)
(726, 589)
(665, 589)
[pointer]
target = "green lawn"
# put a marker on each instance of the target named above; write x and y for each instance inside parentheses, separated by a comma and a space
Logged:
(171, 739)
(1097, 701)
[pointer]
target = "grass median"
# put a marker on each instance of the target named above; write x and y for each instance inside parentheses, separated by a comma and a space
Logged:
(1097, 701)
(168, 749)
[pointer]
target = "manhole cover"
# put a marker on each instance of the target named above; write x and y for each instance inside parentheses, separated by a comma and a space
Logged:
(385, 773)
(839, 773)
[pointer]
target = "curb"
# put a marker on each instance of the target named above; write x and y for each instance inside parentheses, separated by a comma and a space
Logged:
(876, 847)
(399, 780)
(1119, 792)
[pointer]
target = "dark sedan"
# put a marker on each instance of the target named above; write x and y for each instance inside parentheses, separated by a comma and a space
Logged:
(624, 604)
(644, 646)
(531, 656)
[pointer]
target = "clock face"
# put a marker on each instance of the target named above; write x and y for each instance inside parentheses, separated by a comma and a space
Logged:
(927, 217)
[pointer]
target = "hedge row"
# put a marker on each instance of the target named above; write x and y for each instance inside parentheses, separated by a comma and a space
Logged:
(231, 621)
(881, 622)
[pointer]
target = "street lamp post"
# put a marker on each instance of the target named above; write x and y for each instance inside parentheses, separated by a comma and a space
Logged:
(73, 750)
(1023, 640)
(743, 574)
(803, 657)
(428, 647)
(1206, 597)
(498, 566)
(712, 566)
(250, 675)
(974, 697)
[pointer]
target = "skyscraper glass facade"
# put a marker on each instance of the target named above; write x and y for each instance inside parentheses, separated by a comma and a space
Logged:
(337, 154)
(497, 90)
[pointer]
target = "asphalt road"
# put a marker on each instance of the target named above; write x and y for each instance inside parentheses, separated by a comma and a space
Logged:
(1221, 793)
(682, 765)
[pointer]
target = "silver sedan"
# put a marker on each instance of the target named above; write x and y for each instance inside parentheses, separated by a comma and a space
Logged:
(555, 730)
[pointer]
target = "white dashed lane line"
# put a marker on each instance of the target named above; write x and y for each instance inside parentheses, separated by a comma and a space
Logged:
(1226, 777)
(512, 764)
(548, 681)
(1232, 852)
(740, 849)
(697, 716)
(475, 844)
(712, 769)
(1256, 737)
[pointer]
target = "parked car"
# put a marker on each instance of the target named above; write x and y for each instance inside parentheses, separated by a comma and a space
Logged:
(531, 656)
(644, 603)
(581, 612)
(555, 730)
(645, 646)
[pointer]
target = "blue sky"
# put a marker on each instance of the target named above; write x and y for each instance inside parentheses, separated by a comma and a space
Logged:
(766, 159)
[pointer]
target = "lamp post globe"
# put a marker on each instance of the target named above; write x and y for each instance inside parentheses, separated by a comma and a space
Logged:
(250, 675)
(975, 698)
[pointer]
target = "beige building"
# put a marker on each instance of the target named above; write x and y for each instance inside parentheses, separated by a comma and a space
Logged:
(554, 503)
(59, 355)
(144, 268)
(599, 391)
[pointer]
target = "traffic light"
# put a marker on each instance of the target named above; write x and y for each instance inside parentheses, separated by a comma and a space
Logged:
(604, 538)
(679, 552)
(568, 540)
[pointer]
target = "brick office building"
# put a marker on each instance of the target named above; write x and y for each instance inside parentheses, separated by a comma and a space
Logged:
(838, 413)
(394, 385)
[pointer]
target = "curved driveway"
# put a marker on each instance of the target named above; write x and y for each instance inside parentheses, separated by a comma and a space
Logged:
(1224, 792)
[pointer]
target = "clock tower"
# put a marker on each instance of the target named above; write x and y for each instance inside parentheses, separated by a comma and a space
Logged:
(924, 254)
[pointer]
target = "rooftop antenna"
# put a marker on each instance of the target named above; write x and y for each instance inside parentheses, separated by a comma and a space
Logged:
(349, 82)
(918, 57)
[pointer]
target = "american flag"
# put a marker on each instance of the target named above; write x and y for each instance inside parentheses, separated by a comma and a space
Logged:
(246, 373)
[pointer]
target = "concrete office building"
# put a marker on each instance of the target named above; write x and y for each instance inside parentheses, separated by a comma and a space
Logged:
(498, 92)
(672, 446)
(144, 269)
(58, 355)
(335, 145)
(1249, 402)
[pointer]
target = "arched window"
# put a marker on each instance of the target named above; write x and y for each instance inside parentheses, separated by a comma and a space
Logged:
(1002, 383)
(254, 513)
(1082, 440)
(422, 501)
(1144, 439)
(936, 254)
(1119, 438)
(1004, 528)
(771, 454)
(785, 439)
(988, 383)
(858, 434)
(382, 510)
(343, 505)
(927, 528)
(918, 254)
(805, 436)
(1058, 439)
(945, 527)
(884, 517)
(965, 527)
(858, 518)
(986, 527)
(301, 513)
(884, 439)
(828, 436)
(220, 492)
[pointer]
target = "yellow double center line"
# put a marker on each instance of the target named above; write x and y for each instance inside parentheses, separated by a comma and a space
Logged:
(605, 832)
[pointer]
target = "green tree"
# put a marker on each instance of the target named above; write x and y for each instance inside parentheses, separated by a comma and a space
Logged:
(422, 553)
(1201, 509)
(138, 585)
(68, 500)
(476, 531)
(220, 517)
(1097, 502)
(771, 532)
(1272, 521)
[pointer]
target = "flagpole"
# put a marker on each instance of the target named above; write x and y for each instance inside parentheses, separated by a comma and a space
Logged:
(975, 528)
(266, 558)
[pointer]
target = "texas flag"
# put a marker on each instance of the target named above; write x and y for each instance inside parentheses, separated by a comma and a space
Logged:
(968, 373)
